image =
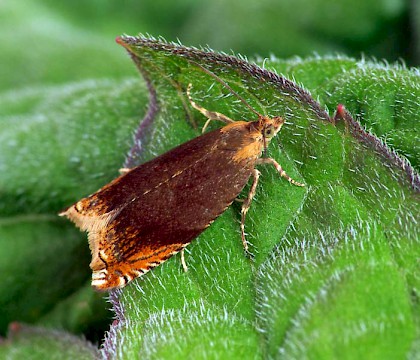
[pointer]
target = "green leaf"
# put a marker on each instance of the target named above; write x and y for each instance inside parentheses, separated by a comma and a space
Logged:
(40, 46)
(29, 342)
(83, 312)
(54, 150)
(335, 272)
(386, 100)
(334, 267)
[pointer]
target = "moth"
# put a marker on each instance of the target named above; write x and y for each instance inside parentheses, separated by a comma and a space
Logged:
(154, 210)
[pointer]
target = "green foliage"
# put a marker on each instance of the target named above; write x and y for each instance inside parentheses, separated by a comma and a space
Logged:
(50, 42)
(325, 280)
(39, 48)
(385, 99)
(380, 28)
(59, 146)
(29, 342)
(336, 263)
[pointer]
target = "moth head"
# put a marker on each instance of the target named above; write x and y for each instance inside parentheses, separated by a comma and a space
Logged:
(271, 126)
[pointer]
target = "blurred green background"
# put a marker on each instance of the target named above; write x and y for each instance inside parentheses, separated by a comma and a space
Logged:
(47, 41)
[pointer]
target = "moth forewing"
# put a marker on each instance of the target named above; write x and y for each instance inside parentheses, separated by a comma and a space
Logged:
(153, 211)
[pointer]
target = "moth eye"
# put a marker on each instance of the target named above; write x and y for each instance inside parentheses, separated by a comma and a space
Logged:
(269, 132)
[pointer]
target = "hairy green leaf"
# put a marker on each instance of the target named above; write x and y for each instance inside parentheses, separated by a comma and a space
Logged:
(333, 261)
(29, 342)
(335, 272)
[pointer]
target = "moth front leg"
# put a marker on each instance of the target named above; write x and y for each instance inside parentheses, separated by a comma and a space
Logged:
(279, 169)
(210, 115)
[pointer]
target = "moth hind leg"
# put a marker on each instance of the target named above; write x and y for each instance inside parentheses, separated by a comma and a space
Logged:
(245, 207)
(183, 262)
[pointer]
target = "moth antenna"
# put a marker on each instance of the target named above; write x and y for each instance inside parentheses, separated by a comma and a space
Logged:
(214, 76)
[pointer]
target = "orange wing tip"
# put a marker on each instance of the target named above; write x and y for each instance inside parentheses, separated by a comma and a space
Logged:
(99, 279)
(102, 281)
(99, 275)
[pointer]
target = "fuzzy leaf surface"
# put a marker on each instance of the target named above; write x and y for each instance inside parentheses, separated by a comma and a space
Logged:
(338, 254)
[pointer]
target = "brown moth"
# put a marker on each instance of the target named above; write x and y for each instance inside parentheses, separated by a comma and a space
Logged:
(154, 210)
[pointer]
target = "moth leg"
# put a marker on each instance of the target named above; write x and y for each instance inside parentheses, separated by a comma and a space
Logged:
(246, 204)
(210, 115)
(184, 264)
(279, 169)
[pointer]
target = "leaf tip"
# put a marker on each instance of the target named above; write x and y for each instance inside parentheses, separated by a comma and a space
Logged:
(120, 41)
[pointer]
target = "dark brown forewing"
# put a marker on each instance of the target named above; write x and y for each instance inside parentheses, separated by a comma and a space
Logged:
(152, 174)
(164, 204)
